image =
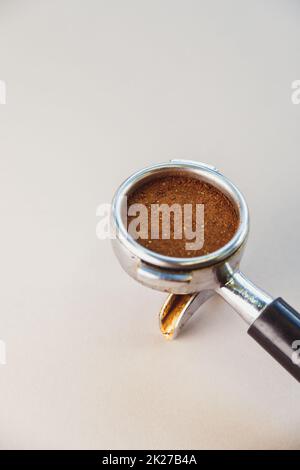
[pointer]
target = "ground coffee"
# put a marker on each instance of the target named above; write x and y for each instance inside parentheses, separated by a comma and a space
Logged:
(220, 216)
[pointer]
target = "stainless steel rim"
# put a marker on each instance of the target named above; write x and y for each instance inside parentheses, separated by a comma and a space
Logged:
(210, 175)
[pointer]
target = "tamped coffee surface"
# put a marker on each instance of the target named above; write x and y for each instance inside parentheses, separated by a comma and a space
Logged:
(220, 216)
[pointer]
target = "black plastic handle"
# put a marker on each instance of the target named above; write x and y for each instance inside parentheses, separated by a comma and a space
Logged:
(277, 330)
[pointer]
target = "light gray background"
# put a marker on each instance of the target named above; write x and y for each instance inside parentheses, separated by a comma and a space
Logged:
(95, 91)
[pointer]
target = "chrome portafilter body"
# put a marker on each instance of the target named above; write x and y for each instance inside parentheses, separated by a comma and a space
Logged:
(169, 274)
